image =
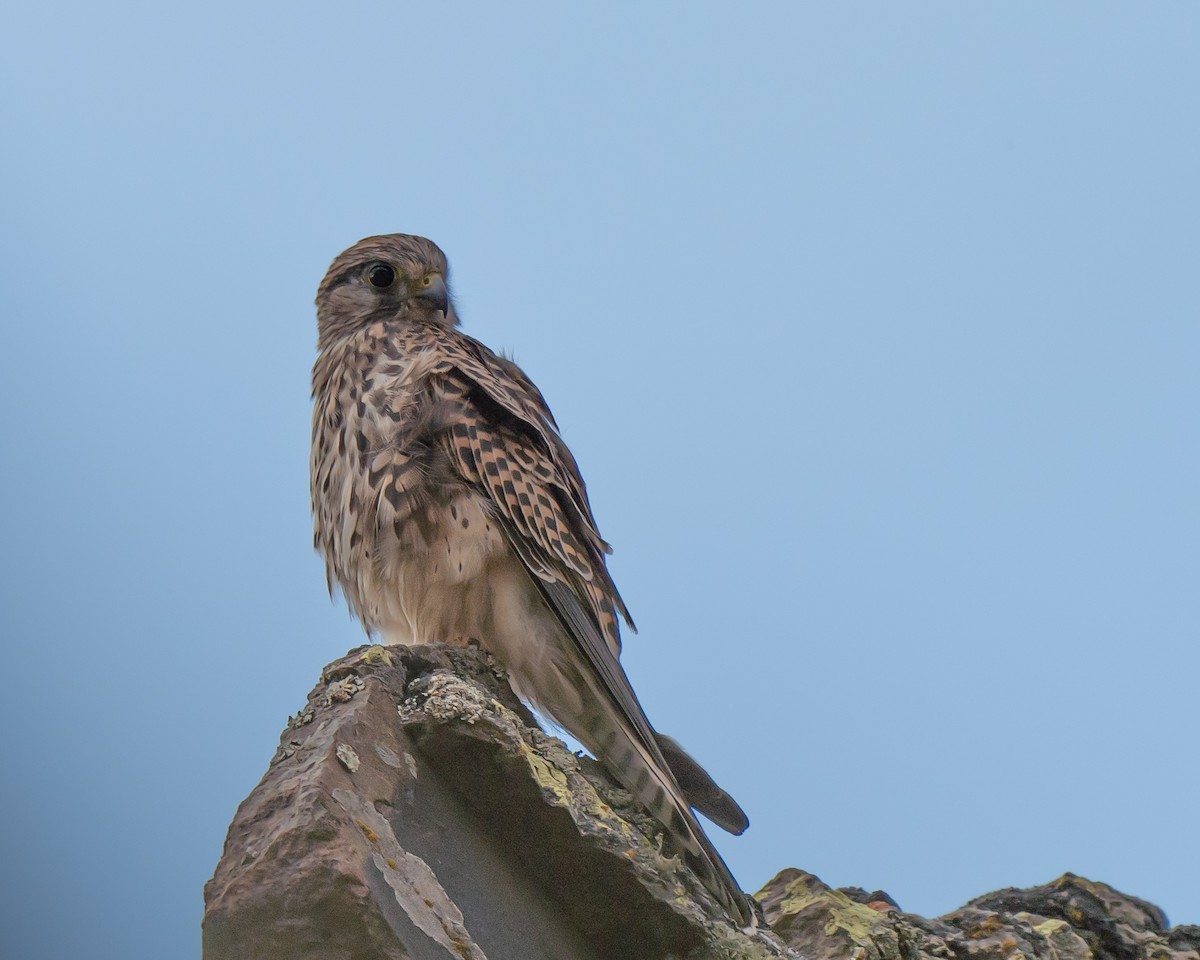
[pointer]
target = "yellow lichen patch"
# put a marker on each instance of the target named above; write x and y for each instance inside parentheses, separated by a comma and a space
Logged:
(1049, 928)
(856, 919)
(853, 918)
(391, 863)
(546, 774)
(796, 896)
(370, 834)
(376, 653)
(551, 777)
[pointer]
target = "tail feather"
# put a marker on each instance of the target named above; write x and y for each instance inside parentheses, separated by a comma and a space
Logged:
(701, 791)
(647, 775)
(583, 687)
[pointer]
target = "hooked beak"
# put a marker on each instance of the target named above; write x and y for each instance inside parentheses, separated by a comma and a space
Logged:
(433, 291)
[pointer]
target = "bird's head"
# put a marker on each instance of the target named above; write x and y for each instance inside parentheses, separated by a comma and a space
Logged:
(383, 278)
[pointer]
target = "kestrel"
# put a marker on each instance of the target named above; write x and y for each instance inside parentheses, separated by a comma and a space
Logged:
(448, 508)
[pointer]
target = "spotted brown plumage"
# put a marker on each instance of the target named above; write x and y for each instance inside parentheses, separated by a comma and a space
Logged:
(448, 508)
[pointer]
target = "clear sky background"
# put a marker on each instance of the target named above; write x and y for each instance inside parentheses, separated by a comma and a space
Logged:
(874, 327)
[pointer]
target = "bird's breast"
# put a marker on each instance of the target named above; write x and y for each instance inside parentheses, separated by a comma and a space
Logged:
(434, 580)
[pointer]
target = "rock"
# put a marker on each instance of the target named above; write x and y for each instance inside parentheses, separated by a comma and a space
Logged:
(1068, 919)
(414, 809)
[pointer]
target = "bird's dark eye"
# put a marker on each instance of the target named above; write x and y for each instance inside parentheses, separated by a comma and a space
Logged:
(381, 276)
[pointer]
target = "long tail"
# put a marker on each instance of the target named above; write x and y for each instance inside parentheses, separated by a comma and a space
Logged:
(647, 775)
(596, 703)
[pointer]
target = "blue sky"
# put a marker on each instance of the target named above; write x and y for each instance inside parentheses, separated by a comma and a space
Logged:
(874, 328)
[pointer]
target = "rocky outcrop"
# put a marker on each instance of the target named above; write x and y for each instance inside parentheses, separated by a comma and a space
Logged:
(414, 809)
(1068, 919)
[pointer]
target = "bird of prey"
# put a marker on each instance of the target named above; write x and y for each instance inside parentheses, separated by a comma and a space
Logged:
(448, 508)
